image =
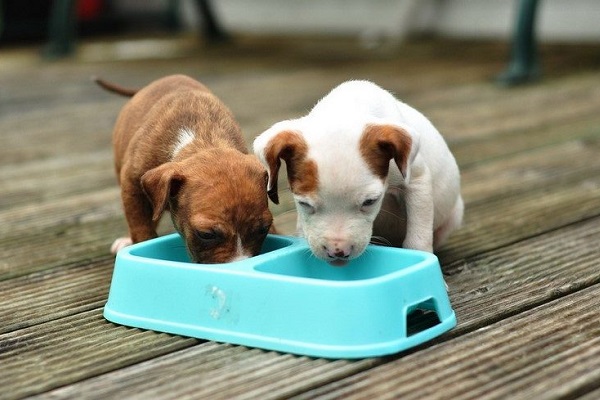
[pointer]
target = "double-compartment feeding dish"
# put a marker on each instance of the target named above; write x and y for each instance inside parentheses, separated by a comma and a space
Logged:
(284, 299)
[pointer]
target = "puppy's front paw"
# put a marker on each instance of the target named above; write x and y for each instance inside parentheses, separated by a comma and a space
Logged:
(120, 243)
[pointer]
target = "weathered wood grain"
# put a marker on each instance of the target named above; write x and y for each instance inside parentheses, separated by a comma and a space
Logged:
(51, 295)
(586, 394)
(525, 274)
(68, 234)
(550, 352)
(236, 371)
(60, 352)
(484, 290)
(55, 178)
(534, 169)
(523, 271)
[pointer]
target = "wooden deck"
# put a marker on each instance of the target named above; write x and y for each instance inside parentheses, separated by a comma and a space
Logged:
(523, 272)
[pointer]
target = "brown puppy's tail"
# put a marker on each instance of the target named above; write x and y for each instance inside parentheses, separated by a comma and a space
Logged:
(111, 87)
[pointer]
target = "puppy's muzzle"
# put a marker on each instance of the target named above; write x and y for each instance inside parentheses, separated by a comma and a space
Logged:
(338, 251)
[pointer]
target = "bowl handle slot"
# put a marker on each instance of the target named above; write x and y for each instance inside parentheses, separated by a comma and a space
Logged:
(421, 316)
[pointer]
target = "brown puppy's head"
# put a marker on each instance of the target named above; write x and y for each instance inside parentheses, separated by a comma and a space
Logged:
(218, 203)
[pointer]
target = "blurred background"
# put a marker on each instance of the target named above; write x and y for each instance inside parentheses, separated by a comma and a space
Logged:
(383, 25)
(559, 20)
(372, 23)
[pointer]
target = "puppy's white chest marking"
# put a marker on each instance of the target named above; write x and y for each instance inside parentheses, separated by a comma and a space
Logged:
(185, 137)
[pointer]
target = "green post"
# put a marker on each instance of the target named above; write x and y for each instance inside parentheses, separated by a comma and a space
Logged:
(61, 30)
(212, 29)
(523, 66)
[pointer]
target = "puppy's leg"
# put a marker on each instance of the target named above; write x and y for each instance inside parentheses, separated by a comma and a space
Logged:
(138, 213)
(453, 222)
(419, 213)
(119, 243)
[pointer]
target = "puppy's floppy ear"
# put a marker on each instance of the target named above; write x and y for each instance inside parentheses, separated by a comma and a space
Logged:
(160, 184)
(382, 142)
(272, 146)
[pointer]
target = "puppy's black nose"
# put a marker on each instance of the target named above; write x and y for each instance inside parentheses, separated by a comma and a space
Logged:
(338, 249)
(341, 254)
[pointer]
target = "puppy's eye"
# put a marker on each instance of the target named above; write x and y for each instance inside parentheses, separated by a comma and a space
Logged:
(369, 202)
(208, 237)
(263, 230)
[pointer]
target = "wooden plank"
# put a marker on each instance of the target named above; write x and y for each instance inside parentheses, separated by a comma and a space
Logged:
(594, 394)
(509, 219)
(503, 282)
(531, 235)
(49, 355)
(51, 133)
(51, 295)
(63, 232)
(534, 169)
(473, 152)
(30, 219)
(202, 375)
(78, 103)
(478, 111)
(484, 290)
(41, 181)
(549, 352)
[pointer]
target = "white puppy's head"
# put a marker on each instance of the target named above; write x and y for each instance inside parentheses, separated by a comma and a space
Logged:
(338, 177)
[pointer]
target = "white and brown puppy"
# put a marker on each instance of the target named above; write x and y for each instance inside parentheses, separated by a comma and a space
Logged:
(357, 149)
(178, 148)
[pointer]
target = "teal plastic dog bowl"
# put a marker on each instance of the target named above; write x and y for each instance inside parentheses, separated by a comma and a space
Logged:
(284, 299)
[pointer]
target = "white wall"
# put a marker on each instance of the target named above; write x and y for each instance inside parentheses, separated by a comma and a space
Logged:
(558, 20)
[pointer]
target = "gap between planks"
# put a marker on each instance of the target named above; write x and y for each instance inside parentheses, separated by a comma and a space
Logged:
(516, 289)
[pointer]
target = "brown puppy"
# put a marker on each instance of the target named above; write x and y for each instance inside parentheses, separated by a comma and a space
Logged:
(178, 148)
